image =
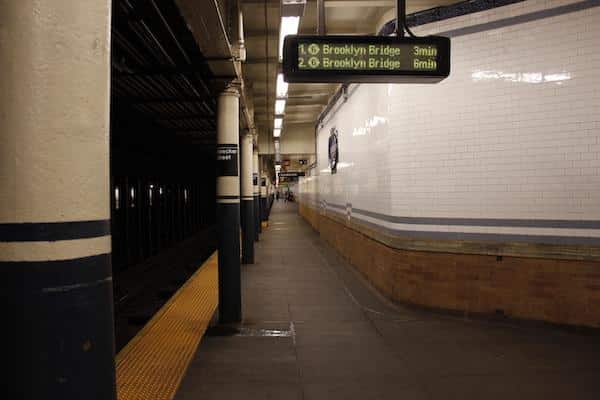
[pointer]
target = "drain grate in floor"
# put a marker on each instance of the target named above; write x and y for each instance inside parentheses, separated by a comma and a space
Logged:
(223, 330)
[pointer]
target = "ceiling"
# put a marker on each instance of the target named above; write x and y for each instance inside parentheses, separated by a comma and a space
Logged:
(162, 98)
(261, 29)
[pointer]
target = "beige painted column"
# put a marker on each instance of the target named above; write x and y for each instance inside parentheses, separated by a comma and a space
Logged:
(247, 199)
(263, 198)
(228, 206)
(256, 191)
(54, 196)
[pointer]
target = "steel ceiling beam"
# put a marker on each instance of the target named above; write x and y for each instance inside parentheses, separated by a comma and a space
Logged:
(359, 4)
(157, 100)
(201, 117)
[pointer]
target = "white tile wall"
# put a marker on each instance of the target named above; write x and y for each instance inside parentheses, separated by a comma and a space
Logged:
(513, 133)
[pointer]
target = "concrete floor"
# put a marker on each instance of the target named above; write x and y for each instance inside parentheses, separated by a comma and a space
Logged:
(313, 329)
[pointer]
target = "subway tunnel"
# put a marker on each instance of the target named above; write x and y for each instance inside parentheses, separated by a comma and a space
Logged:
(401, 200)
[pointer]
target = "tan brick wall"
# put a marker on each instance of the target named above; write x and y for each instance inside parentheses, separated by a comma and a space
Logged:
(310, 214)
(556, 291)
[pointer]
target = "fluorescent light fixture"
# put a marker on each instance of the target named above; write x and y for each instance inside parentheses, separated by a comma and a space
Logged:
(276, 132)
(132, 198)
(289, 26)
(117, 196)
(282, 86)
(278, 123)
(279, 107)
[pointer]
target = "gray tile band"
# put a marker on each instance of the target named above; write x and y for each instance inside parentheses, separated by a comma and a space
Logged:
(491, 237)
(335, 206)
(520, 19)
(489, 222)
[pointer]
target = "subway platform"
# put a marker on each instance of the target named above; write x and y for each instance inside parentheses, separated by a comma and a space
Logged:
(314, 329)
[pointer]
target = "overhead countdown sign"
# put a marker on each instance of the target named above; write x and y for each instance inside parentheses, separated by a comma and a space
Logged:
(366, 59)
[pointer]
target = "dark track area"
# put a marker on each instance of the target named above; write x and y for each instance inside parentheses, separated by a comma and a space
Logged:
(141, 290)
(162, 146)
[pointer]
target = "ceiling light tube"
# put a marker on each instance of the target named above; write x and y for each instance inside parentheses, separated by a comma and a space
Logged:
(276, 132)
(279, 106)
(282, 86)
(289, 26)
(278, 123)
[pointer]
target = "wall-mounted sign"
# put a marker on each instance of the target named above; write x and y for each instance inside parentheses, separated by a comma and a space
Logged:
(333, 153)
(227, 160)
(291, 174)
(369, 59)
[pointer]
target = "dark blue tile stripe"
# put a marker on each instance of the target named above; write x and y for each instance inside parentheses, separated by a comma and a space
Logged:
(491, 237)
(520, 19)
(473, 6)
(53, 231)
(446, 12)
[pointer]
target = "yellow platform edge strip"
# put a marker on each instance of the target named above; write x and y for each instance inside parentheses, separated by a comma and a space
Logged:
(152, 365)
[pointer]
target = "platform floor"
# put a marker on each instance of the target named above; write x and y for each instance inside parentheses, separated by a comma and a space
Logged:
(313, 329)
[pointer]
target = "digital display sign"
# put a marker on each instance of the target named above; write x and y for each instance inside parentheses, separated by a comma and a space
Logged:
(369, 59)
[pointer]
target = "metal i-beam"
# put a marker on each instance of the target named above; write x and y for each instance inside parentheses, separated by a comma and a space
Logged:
(183, 70)
(357, 4)
(188, 117)
(321, 28)
(158, 100)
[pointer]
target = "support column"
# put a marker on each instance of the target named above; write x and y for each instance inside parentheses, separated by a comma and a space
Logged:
(255, 182)
(264, 205)
(228, 207)
(55, 245)
(247, 201)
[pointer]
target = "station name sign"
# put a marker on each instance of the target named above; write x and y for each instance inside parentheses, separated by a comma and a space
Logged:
(291, 174)
(366, 59)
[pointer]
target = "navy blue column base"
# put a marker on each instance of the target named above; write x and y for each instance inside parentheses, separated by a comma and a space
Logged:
(258, 227)
(248, 225)
(60, 328)
(228, 232)
(264, 209)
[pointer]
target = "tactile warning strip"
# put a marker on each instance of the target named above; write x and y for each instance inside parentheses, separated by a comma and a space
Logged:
(154, 362)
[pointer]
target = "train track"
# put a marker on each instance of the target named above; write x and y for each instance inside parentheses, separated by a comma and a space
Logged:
(142, 289)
